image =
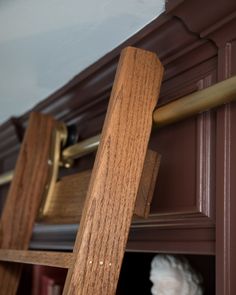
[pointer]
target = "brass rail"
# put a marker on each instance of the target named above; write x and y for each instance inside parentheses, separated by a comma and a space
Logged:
(187, 106)
(81, 149)
(6, 177)
(195, 103)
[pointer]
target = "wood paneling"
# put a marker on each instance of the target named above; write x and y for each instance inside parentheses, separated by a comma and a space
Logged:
(188, 150)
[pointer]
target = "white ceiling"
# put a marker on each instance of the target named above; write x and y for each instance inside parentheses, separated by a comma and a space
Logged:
(44, 44)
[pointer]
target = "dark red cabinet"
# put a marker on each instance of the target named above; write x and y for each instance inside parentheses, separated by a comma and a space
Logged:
(194, 205)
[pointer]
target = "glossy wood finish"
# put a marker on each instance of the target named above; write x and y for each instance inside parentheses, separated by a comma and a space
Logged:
(24, 196)
(110, 201)
(67, 201)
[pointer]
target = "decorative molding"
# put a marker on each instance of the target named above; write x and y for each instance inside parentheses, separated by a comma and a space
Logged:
(146, 239)
(201, 214)
(222, 13)
(225, 181)
(205, 159)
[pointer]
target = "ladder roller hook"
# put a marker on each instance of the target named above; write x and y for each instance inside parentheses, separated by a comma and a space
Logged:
(72, 136)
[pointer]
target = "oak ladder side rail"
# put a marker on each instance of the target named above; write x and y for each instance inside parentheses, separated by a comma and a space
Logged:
(110, 200)
(23, 200)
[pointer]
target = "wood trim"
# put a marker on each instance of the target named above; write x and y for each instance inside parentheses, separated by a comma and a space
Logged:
(202, 212)
(225, 206)
(221, 14)
(225, 186)
(205, 160)
(225, 181)
(195, 240)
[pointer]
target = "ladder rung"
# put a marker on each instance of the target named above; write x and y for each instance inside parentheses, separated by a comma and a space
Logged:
(56, 259)
(58, 210)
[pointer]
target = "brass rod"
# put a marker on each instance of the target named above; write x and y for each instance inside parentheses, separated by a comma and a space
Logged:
(175, 111)
(6, 177)
(187, 106)
(195, 103)
(82, 148)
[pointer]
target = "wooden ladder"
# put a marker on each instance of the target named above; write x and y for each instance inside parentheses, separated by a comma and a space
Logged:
(94, 265)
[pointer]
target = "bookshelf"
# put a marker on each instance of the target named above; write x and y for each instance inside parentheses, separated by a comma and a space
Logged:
(186, 218)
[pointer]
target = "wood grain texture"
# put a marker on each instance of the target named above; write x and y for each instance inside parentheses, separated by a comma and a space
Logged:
(24, 196)
(55, 259)
(67, 202)
(147, 184)
(110, 201)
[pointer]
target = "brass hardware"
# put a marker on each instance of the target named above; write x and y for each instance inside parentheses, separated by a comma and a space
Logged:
(63, 132)
(195, 103)
(58, 139)
(172, 112)
(6, 177)
(187, 106)
(82, 148)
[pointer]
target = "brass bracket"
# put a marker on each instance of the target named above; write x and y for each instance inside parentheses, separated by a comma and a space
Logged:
(59, 137)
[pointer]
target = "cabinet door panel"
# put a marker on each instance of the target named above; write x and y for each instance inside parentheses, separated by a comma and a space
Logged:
(184, 193)
(175, 189)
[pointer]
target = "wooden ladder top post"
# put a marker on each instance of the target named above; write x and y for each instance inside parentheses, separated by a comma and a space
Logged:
(110, 201)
